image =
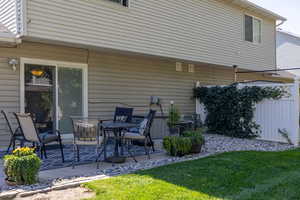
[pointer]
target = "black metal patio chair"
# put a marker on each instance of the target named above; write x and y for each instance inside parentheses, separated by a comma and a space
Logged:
(31, 134)
(122, 114)
(143, 134)
(15, 135)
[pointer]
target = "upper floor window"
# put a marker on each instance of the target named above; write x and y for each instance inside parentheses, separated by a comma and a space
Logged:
(252, 29)
(122, 2)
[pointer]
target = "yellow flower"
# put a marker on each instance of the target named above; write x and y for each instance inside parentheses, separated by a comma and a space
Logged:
(24, 151)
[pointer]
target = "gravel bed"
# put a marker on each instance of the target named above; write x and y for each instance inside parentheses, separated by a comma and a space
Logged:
(219, 144)
(214, 144)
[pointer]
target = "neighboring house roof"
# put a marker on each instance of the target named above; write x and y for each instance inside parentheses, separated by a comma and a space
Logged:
(288, 51)
(255, 8)
(289, 33)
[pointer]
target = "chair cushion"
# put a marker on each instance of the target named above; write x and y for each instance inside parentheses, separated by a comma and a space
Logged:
(19, 137)
(134, 130)
(136, 136)
(47, 137)
(143, 126)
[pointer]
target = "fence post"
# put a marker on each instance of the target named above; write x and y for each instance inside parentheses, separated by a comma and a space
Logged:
(296, 130)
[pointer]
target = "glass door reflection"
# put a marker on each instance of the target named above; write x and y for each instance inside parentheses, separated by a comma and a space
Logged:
(40, 95)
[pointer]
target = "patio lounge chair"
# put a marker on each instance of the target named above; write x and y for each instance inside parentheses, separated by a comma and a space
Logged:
(86, 131)
(14, 135)
(143, 134)
(31, 134)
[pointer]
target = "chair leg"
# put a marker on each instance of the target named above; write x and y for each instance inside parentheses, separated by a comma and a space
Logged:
(146, 148)
(130, 153)
(14, 144)
(104, 148)
(152, 143)
(61, 150)
(77, 153)
(74, 155)
(44, 150)
(41, 151)
(22, 143)
(10, 144)
(99, 156)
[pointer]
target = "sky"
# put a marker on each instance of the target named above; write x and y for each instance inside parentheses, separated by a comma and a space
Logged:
(289, 9)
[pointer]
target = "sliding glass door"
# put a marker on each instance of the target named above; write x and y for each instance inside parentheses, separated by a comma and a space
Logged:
(53, 93)
(40, 95)
(70, 96)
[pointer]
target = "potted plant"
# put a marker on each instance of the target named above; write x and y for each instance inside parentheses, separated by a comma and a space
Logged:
(196, 138)
(22, 167)
(173, 119)
(177, 146)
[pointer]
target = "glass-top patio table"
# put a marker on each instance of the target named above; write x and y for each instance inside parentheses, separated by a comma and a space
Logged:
(117, 128)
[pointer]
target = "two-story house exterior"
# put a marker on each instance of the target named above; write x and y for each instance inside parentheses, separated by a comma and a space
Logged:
(84, 57)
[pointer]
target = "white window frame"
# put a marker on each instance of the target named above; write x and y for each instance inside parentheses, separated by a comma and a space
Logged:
(55, 64)
(244, 28)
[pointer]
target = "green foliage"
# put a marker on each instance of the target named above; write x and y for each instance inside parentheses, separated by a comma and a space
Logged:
(174, 116)
(180, 146)
(22, 166)
(195, 136)
(177, 146)
(230, 110)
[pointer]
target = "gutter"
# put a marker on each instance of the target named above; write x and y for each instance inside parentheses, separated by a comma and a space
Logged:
(8, 40)
(281, 22)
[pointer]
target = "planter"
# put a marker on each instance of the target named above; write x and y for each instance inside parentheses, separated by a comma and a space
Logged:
(174, 131)
(22, 167)
(11, 183)
(196, 148)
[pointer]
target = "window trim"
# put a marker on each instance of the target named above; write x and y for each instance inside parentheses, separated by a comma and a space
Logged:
(261, 27)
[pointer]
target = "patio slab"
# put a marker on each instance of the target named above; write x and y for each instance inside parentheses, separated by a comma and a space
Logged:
(87, 170)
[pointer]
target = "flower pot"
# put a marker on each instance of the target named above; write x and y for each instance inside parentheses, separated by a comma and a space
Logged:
(174, 130)
(196, 148)
(10, 183)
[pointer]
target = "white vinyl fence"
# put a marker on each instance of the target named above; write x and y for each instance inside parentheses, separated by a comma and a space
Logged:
(274, 115)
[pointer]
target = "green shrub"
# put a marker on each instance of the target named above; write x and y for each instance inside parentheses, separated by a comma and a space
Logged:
(22, 166)
(230, 110)
(177, 146)
(174, 116)
(195, 136)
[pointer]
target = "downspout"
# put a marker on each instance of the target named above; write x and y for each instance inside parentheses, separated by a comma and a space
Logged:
(282, 22)
(277, 25)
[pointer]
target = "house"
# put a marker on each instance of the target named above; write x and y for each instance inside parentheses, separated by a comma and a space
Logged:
(288, 51)
(85, 57)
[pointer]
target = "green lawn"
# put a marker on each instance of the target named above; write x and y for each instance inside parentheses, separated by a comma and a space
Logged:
(237, 175)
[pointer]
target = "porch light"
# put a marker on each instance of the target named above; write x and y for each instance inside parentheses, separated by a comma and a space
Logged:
(37, 72)
(13, 62)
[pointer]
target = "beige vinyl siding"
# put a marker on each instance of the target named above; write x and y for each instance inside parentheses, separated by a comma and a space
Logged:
(116, 78)
(8, 15)
(9, 95)
(207, 31)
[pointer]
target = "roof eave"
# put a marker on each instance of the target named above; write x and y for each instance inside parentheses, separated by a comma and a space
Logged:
(260, 10)
(7, 39)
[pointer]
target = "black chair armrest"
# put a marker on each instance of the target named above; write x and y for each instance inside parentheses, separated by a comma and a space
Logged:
(58, 133)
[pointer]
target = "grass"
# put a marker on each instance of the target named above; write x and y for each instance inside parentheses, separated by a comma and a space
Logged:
(229, 176)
